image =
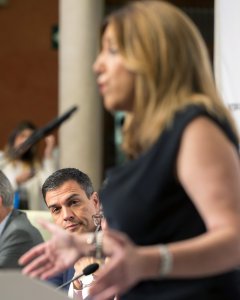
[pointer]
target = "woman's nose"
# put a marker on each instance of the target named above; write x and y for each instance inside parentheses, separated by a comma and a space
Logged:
(95, 66)
(98, 65)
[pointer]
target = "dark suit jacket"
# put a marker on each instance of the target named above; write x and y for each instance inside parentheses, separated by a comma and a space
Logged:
(18, 236)
(62, 278)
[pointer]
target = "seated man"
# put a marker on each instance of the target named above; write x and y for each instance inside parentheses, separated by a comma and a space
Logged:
(17, 235)
(74, 206)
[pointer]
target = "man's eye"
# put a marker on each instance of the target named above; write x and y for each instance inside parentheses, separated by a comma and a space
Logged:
(74, 202)
(55, 210)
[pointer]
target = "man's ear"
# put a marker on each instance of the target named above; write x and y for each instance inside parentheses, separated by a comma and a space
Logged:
(1, 201)
(96, 201)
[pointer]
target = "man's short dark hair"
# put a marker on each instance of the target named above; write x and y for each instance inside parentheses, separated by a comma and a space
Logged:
(59, 177)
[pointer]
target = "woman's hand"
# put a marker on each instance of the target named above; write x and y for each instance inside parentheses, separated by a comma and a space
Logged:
(123, 268)
(50, 258)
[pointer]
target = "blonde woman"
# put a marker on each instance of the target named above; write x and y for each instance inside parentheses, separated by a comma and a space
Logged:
(177, 200)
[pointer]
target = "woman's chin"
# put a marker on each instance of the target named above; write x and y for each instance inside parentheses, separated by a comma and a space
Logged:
(110, 105)
(113, 106)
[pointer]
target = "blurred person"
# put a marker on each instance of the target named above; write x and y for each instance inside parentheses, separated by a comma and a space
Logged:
(173, 209)
(17, 235)
(27, 172)
(75, 207)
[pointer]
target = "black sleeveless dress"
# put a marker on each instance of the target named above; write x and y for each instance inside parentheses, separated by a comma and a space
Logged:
(144, 199)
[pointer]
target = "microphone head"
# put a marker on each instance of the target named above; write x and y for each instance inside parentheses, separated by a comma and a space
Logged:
(90, 269)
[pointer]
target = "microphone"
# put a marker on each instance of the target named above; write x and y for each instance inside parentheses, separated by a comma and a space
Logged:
(42, 132)
(86, 271)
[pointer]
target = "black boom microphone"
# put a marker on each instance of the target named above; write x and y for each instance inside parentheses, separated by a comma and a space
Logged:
(42, 132)
(86, 271)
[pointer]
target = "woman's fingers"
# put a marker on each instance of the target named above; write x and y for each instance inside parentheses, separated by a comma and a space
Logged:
(42, 272)
(106, 294)
(52, 228)
(109, 276)
(31, 254)
(35, 267)
(50, 271)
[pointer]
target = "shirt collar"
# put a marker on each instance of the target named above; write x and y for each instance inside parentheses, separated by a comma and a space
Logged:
(3, 223)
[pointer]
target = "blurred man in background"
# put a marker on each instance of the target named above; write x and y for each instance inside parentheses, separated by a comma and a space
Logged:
(17, 234)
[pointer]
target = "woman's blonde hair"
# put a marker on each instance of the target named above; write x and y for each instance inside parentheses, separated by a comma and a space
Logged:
(168, 56)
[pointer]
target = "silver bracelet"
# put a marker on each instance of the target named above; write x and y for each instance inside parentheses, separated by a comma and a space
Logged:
(166, 261)
(91, 240)
(95, 240)
(99, 238)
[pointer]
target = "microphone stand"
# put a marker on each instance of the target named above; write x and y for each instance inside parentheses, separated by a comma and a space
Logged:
(42, 132)
(88, 270)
